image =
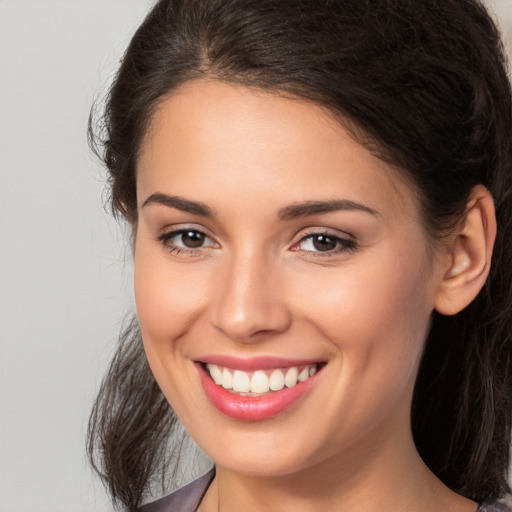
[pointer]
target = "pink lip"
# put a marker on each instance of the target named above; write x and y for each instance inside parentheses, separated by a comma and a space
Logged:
(255, 363)
(253, 408)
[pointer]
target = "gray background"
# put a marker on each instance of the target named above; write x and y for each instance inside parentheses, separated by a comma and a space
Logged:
(65, 274)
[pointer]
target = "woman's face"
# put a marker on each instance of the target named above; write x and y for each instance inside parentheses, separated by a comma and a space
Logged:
(278, 251)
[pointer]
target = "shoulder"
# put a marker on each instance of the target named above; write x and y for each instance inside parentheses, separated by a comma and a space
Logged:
(495, 506)
(185, 499)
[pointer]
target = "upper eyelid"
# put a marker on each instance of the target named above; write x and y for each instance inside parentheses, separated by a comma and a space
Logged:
(344, 238)
(176, 229)
(327, 234)
(335, 233)
(175, 232)
(319, 229)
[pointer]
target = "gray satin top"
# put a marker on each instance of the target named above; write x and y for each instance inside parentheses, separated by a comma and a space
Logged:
(188, 498)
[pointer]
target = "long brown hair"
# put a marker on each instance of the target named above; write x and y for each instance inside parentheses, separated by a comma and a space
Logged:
(424, 84)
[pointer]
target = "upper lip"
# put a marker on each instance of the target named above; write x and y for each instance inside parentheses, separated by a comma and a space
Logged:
(254, 363)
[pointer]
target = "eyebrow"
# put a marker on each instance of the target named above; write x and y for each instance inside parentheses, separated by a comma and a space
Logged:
(308, 208)
(290, 212)
(180, 203)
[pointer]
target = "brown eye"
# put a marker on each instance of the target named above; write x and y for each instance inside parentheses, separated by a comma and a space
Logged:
(189, 241)
(192, 239)
(324, 242)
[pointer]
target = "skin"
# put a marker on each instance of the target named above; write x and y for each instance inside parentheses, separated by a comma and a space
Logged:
(259, 287)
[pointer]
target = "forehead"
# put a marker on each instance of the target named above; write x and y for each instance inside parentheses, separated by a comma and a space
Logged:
(211, 137)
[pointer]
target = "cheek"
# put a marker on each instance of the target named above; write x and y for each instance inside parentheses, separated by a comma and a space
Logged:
(376, 321)
(375, 314)
(168, 298)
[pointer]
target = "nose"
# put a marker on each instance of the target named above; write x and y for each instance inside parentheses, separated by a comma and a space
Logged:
(249, 300)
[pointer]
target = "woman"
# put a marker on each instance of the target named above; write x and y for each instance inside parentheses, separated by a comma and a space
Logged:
(320, 199)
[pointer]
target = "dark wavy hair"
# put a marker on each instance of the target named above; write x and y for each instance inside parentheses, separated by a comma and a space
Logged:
(423, 85)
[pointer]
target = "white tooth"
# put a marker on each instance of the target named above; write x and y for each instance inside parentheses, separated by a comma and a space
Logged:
(303, 375)
(312, 370)
(215, 373)
(227, 379)
(276, 380)
(259, 382)
(291, 377)
(241, 382)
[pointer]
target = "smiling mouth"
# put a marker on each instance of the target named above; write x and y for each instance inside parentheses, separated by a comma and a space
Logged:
(260, 382)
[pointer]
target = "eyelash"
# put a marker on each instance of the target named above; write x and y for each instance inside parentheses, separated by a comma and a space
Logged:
(341, 244)
(166, 240)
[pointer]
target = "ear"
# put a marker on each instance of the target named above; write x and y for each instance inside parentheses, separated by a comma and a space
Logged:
(469, 254)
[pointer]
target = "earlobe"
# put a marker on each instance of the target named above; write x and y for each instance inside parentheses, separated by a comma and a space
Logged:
(470, 253)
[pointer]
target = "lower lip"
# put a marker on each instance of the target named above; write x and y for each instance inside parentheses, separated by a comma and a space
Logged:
(253, 408)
